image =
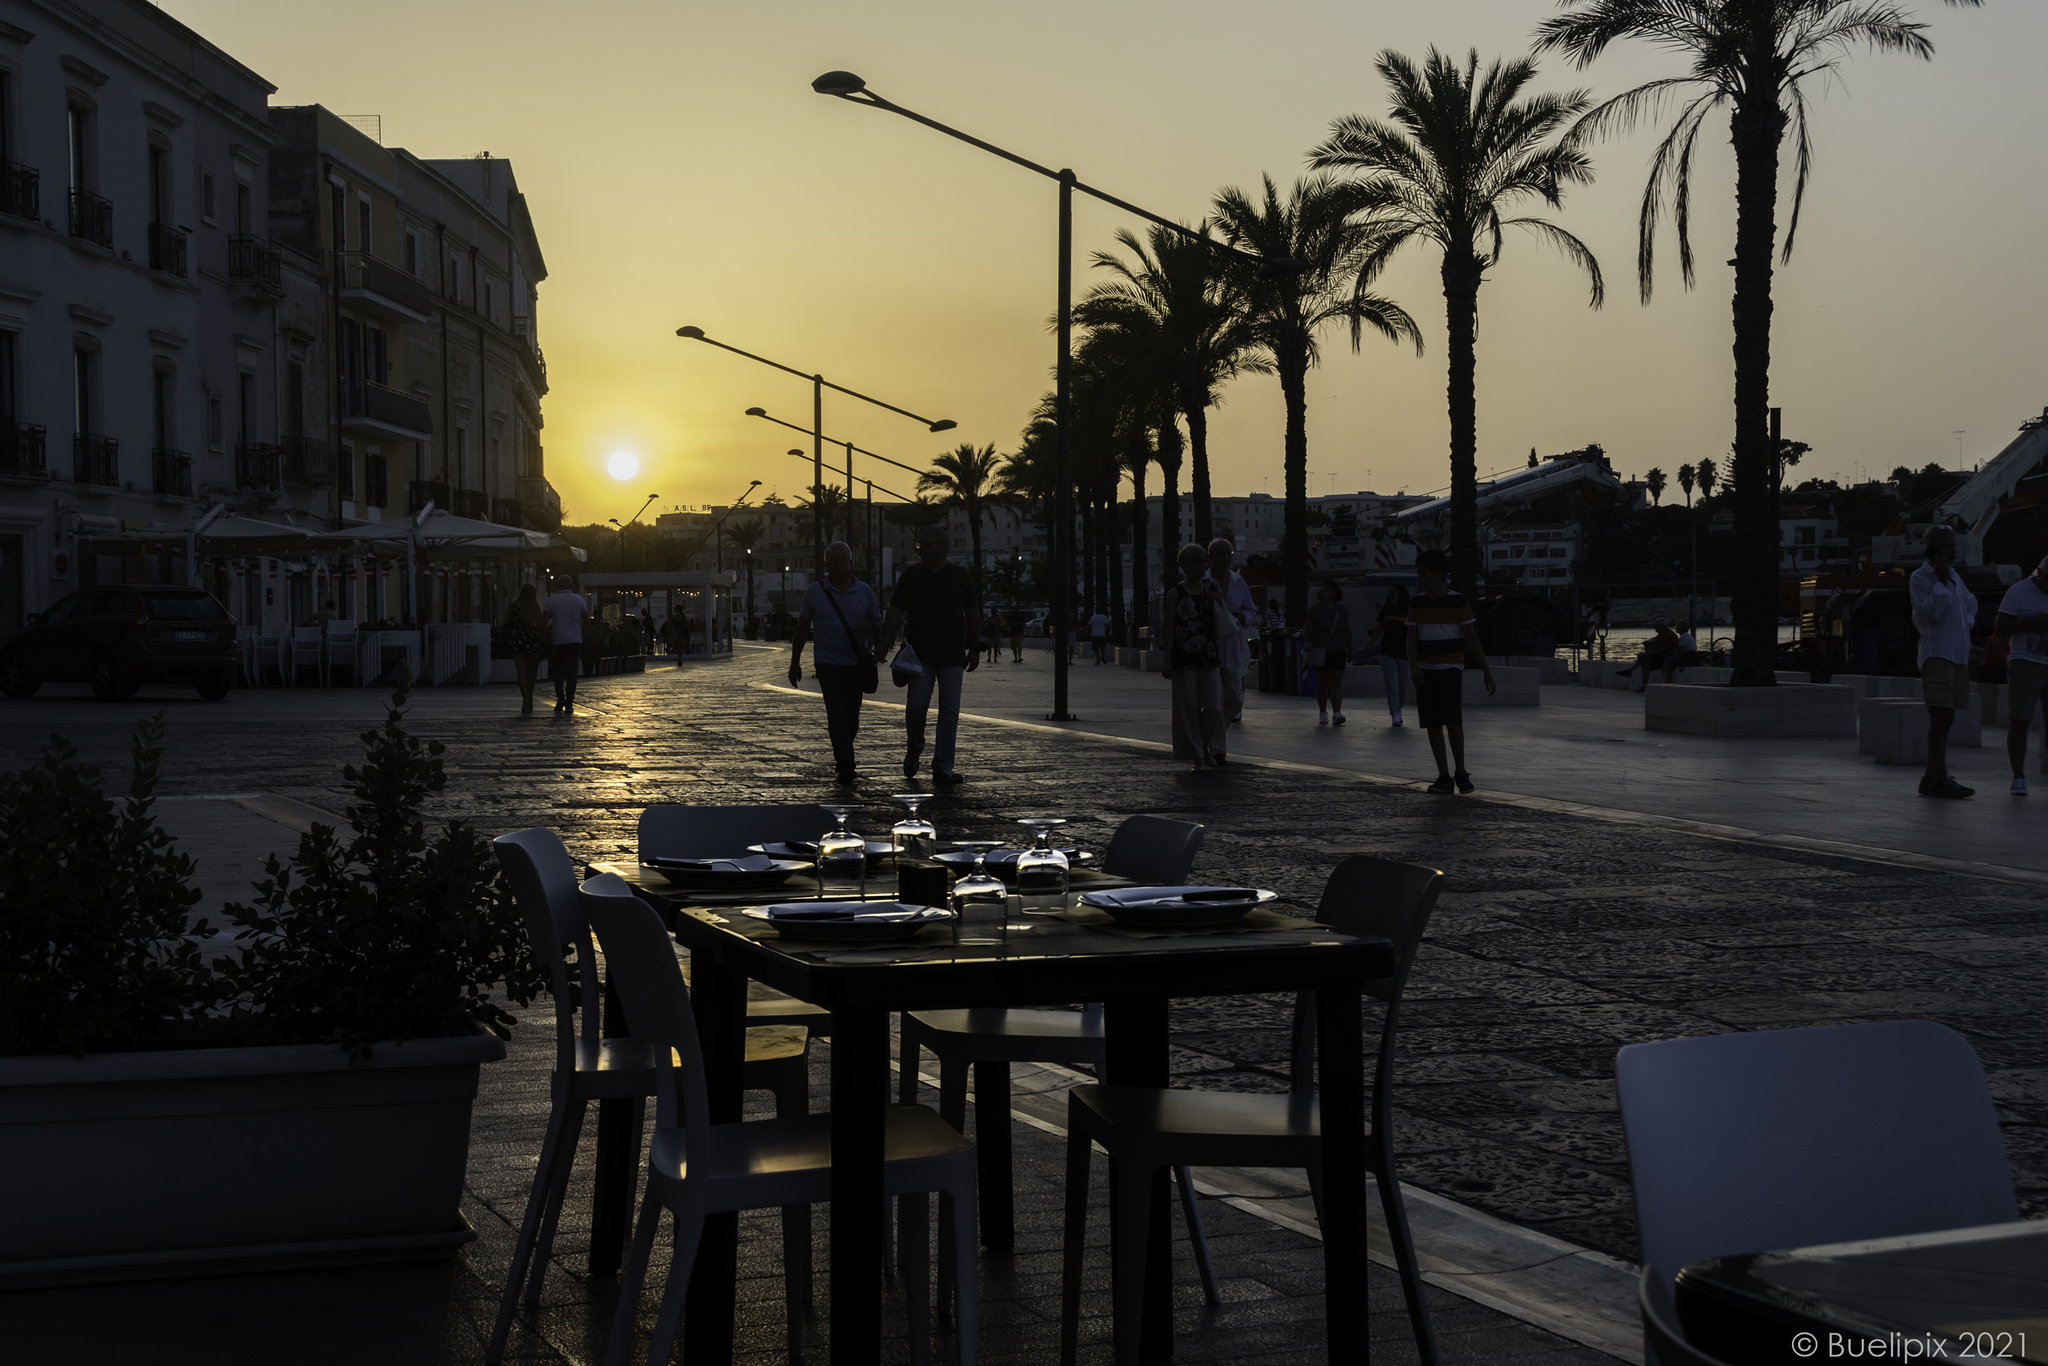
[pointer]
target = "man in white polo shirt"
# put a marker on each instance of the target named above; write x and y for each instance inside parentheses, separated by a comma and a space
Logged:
(1944, 609)
(565, 613)
(2023, 621)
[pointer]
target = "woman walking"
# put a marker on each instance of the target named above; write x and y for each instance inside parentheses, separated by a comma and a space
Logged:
(1392, 636)
(523, 641)
(1329, 649)
(841, 614)
(1192, 621)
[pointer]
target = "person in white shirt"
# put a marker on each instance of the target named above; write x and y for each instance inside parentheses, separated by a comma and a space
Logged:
(2023, 621)
(1098, 635)
(1944, 609)
(840, 614)
(564, 614)
(1231, 652)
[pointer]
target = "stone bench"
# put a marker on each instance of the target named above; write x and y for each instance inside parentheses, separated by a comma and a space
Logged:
(1864, 684)
(1549, 668)
(1601, 673)
(1870, 710)
(1899, 687)
(1876, 719)
(1811, 709)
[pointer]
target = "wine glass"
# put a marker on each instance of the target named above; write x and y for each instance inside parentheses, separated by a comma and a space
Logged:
(913, 836)
(978, 888)
(1041, 869)
(841, 853)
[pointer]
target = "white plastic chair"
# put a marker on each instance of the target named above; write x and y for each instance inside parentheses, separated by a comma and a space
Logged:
(1145, 849)
(696, 1168)
(304, 649)
(589, 1067)
(1797, 1137)
(341, 651)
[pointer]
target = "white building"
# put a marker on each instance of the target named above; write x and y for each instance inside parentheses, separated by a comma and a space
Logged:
(1538, 555)
(138, 324)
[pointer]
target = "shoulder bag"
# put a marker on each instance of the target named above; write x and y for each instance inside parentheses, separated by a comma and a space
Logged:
(870, 676)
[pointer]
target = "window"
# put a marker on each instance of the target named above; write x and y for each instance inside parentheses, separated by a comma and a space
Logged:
(213, 422)
(374, 491)
(79, 124)
(376, 359)
(452, 287)
(206, 196)
(161, 427)
(6, 115)
(363, 240)
(245, 404)
(245, 217)
(337, 214)
(85, 391)
(345, 472)
(490, 302)
(9, 398)
(295, 399)
(412, 253)
(159, 184)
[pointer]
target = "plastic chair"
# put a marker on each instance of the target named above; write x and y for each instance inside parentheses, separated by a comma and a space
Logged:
(696, 1168)
(304, 649)
(1145, 1129)
(589, 1067)
(1664, 1341)
(1145, 849)
(340, 650)
(1792, 1138)
(272, 652)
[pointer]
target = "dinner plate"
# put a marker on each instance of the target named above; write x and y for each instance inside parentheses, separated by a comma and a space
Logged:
(807, 850)
(727, 875)
(868, 922)
(1002, 863)
(1177, 908)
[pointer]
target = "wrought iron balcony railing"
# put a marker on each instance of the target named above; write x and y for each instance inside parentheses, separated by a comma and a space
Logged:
(20, 191)
(170, 472)
(256, 467)
(308, 460)
(373, 403)
(21, 451)
(167, 249)
(363, 278)
(505, 512)
(472, 503)
(421, 492)
(96, 460)
(92, 217)
(256, 261)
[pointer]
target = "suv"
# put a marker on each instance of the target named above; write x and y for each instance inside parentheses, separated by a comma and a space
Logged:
(120, 638)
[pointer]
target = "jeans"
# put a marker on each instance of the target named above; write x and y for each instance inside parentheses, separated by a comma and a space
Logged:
(919, 702)
(562, 662)
(840, 685)
(1395, 670)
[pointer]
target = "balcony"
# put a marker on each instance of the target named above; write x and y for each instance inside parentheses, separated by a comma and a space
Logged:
(255, 261)
(256, 467)
(537, 361)
(472, 503)
(307, 460)
(20, 191)
(170, 473)
(367, 283)
(167, 249)
(373, 408)
(505, 511)
(540, 505)
(92, 218)
(21, 451)
(421, 492)
(96, 460)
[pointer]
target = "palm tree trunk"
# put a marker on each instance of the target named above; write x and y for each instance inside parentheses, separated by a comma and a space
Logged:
(1756, 130)
(974, 539)
(1196, 407)
(1086, 507)
(1461, 324)
(1112, 524)
(1105, 542)
(1293, 368)
(1170, 449)
(1141, 532)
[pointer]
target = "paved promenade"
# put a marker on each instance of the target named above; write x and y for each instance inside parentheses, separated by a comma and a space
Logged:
(1605, 886)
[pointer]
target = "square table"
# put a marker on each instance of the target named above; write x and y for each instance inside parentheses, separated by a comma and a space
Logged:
(1009, 961)
(1957, 1295)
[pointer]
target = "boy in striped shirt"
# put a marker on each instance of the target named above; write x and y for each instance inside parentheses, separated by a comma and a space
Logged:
(1441, 637)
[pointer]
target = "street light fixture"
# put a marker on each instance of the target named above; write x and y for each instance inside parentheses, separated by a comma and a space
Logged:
(850, 449)
(628, 522)
(819, 384)
(851, 88)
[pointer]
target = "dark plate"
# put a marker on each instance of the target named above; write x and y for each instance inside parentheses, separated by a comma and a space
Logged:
(868, 927)
(1157, 908)
(729, 880)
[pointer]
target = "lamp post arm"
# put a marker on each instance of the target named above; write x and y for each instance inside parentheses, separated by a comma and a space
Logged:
(724, 346)
(855, 393)
(862, 449)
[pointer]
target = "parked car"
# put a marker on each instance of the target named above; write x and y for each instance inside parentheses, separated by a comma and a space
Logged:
(120, 638)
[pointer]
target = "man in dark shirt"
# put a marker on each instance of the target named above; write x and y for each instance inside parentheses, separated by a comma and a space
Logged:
(934, 605)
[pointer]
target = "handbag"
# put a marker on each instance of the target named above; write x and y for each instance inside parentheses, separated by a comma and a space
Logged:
(870, 677)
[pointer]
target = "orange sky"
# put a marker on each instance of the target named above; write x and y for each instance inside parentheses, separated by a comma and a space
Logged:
(680, 170)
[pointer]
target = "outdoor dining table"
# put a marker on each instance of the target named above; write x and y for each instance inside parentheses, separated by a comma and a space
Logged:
(1003, 959)
(1958, 1295)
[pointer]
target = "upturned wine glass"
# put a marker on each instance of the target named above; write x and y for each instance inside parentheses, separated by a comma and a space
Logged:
(842, 853)
(913, 835)
(978, 888)
(1042, 870)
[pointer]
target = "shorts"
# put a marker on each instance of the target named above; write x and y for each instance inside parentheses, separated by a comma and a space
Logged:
(1944, 684)
(1440, 696)
(2024, 680)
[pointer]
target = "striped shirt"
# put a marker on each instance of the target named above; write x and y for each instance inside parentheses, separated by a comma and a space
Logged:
(1439, 625)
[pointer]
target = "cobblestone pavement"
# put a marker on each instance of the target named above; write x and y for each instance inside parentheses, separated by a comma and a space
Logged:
(1559, 937)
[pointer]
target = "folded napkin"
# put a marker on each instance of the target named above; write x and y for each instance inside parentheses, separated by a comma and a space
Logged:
(1171, 896)
(843, 912)
(752, 863)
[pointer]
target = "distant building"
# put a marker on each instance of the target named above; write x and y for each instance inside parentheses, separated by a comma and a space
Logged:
(1536, 555)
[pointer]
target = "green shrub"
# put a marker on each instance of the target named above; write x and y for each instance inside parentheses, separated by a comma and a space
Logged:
(94, 908)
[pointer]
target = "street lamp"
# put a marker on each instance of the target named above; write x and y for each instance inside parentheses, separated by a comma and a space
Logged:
(718, 526)
(850, 449)
(628, 522)
(851, 88)
(819, 384)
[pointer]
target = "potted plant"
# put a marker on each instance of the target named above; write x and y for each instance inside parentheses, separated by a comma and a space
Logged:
(302, 1099)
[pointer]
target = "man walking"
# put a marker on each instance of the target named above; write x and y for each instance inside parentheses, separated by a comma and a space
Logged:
(2023, 620)
(1944, 609)
(839, 613)
(934, 606)
(1231, 651)
(1442, 636)
(565, 615)
(1098, 636)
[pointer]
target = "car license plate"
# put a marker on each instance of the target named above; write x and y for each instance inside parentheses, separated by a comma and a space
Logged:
(189, 635)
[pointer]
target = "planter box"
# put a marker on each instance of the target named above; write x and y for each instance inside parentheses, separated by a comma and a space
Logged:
(185, 1162)
(1787, 710)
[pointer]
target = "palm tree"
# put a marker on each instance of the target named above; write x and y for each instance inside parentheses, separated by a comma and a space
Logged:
(1707, 475)
(1756, 59)
(1654, 482)
(965, 477)
(1314, 228)
(1185, 295)
(1460, 148)
(1687, 475)
(745, 536)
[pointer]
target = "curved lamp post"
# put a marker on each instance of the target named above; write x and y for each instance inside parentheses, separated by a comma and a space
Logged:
(872, 485)
(851, 88)
(819, 384)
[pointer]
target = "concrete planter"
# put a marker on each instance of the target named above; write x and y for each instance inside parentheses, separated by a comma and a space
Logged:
(1792, 709)
(120, 1166)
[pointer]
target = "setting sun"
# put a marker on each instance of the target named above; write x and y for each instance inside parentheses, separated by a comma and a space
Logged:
(622, 465)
